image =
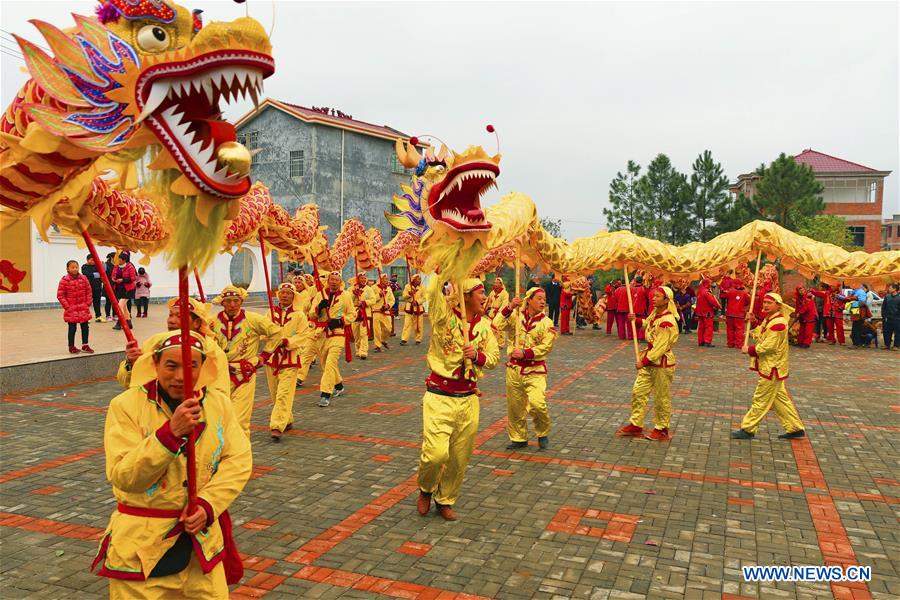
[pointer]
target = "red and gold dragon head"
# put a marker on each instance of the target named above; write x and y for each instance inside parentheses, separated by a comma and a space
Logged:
(449, 189)
(144, 73)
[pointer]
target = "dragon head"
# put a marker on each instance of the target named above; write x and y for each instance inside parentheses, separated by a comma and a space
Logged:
(449, 187)
(146, 72)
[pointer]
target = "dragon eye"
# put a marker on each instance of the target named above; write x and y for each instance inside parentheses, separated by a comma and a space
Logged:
(152, 38)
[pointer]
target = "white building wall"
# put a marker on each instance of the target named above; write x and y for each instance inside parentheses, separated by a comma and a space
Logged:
(48, 262)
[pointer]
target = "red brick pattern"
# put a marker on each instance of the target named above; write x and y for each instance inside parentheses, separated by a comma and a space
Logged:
(378, 585)
(414, 549)
(386, 409)
(47, 490)
(58, 462)
(59, 528)
(259, 471)
(258, 524)
(383, 458)
(619, 528)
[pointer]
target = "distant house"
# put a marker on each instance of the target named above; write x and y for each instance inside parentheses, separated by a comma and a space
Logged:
(852, 191)
(890, 233)
(346, 166)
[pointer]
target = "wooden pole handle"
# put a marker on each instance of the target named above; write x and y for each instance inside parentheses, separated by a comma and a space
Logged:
(637, 352)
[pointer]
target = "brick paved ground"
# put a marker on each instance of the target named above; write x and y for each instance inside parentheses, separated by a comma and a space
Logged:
(331, 510)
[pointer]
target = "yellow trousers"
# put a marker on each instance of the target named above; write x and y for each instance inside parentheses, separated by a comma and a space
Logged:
(282, 388)
(308, 353)
(361, 338)
(413, 325)
(448, 438)
(659, 382)
(526, 395)
(330, 352)
(771, 393)
(381, 324)
(190, 583)
(242, 402)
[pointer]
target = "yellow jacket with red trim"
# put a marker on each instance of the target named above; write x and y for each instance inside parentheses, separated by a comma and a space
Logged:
(445, 349)
(769, 353)
(146, 466)
(661, 331)
(538, 335)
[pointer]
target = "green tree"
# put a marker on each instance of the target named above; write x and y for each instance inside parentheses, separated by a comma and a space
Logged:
(625, 212)
(552, 226)
(732, 214)
(710, 187)
(787, 192)
(662, 192)
(830, 229)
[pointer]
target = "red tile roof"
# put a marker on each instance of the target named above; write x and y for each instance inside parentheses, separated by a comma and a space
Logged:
(820, 162)
(310, 115)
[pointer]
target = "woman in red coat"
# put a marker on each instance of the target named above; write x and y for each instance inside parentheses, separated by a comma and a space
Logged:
(75, 295)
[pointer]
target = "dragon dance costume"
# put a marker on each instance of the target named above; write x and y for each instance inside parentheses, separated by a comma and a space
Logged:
(526, 378)
(283, 363)
(145, 551)
(332, 313)
(450, 408)
(242, 337)
(413, 297)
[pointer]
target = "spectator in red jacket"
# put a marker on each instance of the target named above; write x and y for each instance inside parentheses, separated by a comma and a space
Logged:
(640, 301)
(125, 280)
(707, 305)
(835, 319)
(737, 301)
(825, 298)
(75, 295)
(610, 292)
(807, 316)
(565, 308)
(621, 299)
(758, 314)
(724, 286)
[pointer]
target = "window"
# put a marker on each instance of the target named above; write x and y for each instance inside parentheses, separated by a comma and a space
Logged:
(858, 236)
(297, 166)
(397, 168)
(250, 141)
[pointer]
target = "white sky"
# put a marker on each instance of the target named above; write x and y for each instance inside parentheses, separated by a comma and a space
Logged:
(577, 89)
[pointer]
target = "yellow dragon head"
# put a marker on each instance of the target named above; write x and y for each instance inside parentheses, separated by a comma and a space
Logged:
(147, 72)
(448, 189)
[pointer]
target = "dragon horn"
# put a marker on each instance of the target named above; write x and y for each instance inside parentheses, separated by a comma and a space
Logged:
(442, 154)
(408, 156)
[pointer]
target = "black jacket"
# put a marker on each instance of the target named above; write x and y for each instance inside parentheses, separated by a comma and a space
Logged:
(553, 289)
(93, 275)
(890, 308)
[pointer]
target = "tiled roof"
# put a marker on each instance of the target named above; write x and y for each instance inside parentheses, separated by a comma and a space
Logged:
(309, 115)
(820, 162)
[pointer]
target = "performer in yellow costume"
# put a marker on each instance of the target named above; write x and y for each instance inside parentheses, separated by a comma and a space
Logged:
(656, 369)
(382, 317)
(363, 297)
(153, 547)
(333, 313)
(199, 324)
(414, 318)
(497, 301)
(770, 360)
(526, 369)
(283, 363)
(242, 335)
(450, 405)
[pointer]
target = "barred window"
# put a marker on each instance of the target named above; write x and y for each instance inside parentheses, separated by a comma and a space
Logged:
(397, 168)
(297, 166)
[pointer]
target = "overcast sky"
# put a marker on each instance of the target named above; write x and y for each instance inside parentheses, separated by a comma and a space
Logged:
(575, 90)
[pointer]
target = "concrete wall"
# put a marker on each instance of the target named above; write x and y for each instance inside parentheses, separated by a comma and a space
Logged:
(368, 180)
(48, 263)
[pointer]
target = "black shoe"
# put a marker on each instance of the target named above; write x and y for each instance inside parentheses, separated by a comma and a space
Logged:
(117, 327)
(710, 346)
(793, 435)
(417, 343)
(543, 442)
(516, 445)
(299, 383)
(402, 342)
(361, 357)
(741, 434)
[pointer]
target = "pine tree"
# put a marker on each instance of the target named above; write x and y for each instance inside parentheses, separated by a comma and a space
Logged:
(787, 192)
(710, 187)
(625, 212)
(659, 193)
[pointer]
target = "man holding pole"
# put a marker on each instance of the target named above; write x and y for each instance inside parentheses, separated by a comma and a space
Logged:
(461, 348)
(532, 335)
(382, 312)
(655, 369)
(333, 313)
(363, 297)
(736, 301)
(497, 301)
(283, 363)
(707, 305)
(414, 319)
(769, 356)
(157, 543)
(241, 335)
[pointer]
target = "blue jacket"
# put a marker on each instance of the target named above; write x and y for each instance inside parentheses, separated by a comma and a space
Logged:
(857, 296)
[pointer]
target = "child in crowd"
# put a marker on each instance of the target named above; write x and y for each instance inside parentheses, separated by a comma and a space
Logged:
(142, 293)
(75, 295)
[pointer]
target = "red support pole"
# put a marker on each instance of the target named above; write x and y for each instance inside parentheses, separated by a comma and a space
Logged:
(186, 363)
(265, 262)
(199, 286)
(123, 320)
